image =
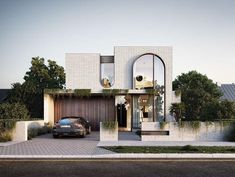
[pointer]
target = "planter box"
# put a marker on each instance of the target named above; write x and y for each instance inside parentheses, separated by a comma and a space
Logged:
(108, 134)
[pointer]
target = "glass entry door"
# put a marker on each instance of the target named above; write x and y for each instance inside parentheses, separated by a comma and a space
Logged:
(142, 109)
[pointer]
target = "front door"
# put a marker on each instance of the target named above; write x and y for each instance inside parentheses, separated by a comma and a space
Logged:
(121, 115)
(142, 110)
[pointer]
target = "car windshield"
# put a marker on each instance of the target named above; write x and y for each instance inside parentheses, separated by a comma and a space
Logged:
(67, 121)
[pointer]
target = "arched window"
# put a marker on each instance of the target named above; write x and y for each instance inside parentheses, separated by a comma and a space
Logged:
(149, 73)
(143, 72)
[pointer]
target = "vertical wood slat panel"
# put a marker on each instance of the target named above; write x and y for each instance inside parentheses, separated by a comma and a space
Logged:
(94, 109)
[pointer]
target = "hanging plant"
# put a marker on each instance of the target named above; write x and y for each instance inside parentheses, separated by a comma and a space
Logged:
(181, 124)
(82, 92)
(153, 91)
(107, 92)
(195, 125)
(114, 92)
(52, 91)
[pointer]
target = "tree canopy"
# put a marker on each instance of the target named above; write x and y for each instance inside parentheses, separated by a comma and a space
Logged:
(200, 98)
(39, 77)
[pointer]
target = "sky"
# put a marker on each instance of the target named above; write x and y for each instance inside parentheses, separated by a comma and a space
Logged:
(201, 32)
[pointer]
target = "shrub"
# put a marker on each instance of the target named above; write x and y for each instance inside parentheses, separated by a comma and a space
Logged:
(13, 111)
(163, 124)
(32, 132)
(9, 114)
(44, 130)
(230, 135)
(189, 148)
(7, 124)
(109, 125)
(6, 136)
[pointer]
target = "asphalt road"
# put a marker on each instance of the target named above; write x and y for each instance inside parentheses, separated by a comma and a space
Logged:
(116, 168)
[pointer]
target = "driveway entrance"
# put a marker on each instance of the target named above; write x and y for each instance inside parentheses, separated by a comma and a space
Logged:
(46, 145)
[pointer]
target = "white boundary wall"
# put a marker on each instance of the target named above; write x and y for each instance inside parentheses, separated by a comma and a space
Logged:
(20, 133)
(213, 131)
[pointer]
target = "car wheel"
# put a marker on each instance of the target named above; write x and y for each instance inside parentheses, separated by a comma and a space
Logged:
(55, 136)
(83, 135)
(89, 130)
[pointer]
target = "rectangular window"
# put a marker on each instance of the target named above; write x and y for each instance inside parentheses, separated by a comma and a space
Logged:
(107, 71)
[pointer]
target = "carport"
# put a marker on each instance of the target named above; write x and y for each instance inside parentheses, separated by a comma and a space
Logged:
(94, 108)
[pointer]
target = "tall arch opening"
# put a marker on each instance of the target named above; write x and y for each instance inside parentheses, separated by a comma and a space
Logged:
(149, 73)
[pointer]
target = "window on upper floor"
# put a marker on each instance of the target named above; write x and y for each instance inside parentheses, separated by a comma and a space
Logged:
(149, 73)
(107, 71)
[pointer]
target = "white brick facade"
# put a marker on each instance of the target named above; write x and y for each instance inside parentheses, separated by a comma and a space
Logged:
(83, 70)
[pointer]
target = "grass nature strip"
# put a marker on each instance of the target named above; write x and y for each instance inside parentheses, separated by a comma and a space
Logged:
(172, 149)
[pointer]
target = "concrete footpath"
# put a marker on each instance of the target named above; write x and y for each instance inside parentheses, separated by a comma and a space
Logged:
(128, 156)
(91, 148)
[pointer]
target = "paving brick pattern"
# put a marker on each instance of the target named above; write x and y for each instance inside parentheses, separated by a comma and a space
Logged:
(46, 145)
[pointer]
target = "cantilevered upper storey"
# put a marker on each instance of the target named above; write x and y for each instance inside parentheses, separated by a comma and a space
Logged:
(94, 71)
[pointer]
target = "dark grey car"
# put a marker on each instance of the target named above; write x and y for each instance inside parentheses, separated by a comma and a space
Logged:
(71, 126)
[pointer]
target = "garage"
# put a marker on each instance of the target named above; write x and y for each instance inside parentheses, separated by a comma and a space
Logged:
(95, 109)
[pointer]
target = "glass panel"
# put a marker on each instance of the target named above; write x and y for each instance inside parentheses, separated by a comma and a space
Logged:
(158, 73)
(136, 113)
(142, 110)
(107, 74)
(159, 108)
(149, 72)
(159, 84)
(146, 108)
(143, 72)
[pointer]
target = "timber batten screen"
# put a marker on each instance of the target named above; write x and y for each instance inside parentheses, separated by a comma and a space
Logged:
(95, 109)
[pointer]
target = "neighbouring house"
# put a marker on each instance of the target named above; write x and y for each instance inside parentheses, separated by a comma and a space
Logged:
(228, 91)
(132, 86)
(3, 94)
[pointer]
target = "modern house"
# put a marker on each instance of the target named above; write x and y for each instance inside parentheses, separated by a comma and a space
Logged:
(4, 94)
(131, 86)
(228, 91)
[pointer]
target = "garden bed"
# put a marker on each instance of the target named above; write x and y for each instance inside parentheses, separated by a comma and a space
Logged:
(172, 149)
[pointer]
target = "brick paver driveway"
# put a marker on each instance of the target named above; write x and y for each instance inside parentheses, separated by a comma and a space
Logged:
(46, 145)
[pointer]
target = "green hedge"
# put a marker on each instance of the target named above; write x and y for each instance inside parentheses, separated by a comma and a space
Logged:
(15, 111)
(10, 113)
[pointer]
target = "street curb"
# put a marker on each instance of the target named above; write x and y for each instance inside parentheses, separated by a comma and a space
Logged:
(127, 156)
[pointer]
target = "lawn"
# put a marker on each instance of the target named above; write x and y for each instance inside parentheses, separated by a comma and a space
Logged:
(172, 149)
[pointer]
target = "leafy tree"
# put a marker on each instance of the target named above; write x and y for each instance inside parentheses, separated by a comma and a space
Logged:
(178, 111)
(39, 77)
(220, 110)
(197, 92)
